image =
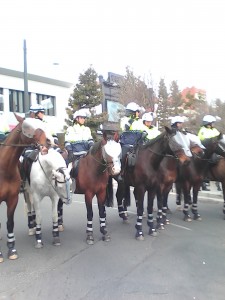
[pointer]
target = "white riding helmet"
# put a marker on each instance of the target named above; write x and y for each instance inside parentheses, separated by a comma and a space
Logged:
(177, 119)
(208, 119)
(147, 117)
(36, 108)
(81, 113)
(133, 106)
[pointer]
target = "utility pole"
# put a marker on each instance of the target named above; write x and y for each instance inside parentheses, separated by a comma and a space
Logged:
(26, 96)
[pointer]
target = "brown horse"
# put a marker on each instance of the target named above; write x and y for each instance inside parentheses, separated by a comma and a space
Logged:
(91, 179)
(191, 177)
(216, 172)
(27, 132)
(144, 175)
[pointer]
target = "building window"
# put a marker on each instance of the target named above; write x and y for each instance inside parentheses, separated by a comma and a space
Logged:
(16, 101)
(48, 102)
(1, 100)
(115, 110)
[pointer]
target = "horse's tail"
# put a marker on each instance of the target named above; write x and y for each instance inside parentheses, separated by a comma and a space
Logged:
(109, 193)
(127, 195)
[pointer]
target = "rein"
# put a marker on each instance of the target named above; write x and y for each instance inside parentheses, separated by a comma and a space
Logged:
(21, 145)
(163, 155)
(104, 163)
(54, 187)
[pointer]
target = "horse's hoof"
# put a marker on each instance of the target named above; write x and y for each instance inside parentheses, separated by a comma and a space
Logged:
(160, 226)
(153, 233)
(126, 221)
(61, 228)
(197, 217)
(187, 218)
(90, 240)
(1, 258)
(56, 241)
(140, 237)
(31, 231)
(106, 238)
(39, 245)
(166, 222)
(12, 254)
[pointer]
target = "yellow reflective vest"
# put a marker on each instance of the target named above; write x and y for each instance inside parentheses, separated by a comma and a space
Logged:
(77, 133)
(152, 132)
(207, 133)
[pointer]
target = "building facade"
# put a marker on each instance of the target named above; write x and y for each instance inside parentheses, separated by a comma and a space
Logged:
(51, 93)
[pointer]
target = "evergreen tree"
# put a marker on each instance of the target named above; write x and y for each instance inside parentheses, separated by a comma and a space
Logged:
(87, 94)
(164, 109)
(175, 99)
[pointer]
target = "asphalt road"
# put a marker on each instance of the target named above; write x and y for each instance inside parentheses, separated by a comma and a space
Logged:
(185, 261)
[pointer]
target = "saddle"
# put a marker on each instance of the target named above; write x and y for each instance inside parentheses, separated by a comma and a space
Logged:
(215, 158)
(130, 140)
(27, 162)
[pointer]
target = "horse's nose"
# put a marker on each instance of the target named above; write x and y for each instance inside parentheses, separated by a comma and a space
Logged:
(116, 170)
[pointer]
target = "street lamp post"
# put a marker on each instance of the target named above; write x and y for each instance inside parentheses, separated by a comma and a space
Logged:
(26, 96)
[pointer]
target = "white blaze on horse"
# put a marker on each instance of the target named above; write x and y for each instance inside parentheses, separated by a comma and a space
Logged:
(49, 176)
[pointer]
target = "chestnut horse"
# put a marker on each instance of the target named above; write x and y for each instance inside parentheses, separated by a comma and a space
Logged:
(27, 132)
(91, 179)
(144, 175)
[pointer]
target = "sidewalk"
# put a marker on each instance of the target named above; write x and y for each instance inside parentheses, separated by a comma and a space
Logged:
(213, 193)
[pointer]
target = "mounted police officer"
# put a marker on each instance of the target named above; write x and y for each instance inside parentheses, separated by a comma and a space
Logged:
(37, 111)
(133, 132)
(78, 138)
(177, 123)
(207, 129)
(151, 130)
(132, 120)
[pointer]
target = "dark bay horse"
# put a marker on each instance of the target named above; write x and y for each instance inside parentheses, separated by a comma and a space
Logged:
(144, 175)
(216, 172)
(27, 132)
(191, 176)
(91, 180)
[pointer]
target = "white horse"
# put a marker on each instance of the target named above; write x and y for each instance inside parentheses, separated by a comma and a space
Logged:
(49, 176)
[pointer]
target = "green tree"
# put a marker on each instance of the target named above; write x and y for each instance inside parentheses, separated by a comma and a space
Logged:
(175, 99)
(164, 109)
(86, 94)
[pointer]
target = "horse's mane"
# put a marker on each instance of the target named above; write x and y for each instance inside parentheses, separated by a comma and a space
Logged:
(153, 141)
(95, 148)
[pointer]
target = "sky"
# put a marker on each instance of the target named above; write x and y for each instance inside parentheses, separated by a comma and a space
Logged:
(170, 39)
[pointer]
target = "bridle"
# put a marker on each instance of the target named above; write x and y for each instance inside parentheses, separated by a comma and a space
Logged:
(56, 181)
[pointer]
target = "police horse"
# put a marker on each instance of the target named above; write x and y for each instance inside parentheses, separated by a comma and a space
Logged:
(90, 174)
(191, 176)
(27, 132)
(47, 176)
(143, 174)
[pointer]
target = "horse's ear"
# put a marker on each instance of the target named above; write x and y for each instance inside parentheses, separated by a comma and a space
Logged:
(104, 135)
(19, 118)
(168, 130)
(220, 136)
